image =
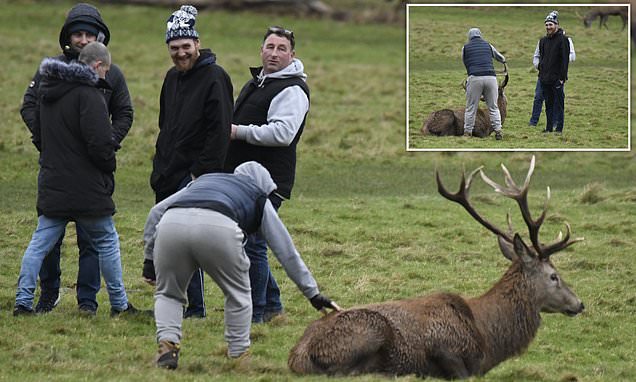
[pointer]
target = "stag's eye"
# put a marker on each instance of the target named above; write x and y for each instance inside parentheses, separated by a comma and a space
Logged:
(554, 277)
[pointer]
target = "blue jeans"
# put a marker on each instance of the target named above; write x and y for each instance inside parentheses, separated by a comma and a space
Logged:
(554, 106)
(537, 104)
(265, 291)
(88, 277)
(101, 235)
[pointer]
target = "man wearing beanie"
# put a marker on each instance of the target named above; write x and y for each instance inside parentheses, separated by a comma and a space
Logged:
(195, 115)
(269, 119)
(477, 56)
(554, 53)
(83, 25)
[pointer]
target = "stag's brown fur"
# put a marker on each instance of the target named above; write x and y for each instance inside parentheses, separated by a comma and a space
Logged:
(451, 122)
(445, 335)
(603, 14)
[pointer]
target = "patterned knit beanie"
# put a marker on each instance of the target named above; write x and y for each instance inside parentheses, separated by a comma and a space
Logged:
(181, 24)
(553, 17)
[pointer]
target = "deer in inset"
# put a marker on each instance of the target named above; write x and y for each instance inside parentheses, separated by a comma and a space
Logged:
(451, 122)
(604, 13)
(444, 335)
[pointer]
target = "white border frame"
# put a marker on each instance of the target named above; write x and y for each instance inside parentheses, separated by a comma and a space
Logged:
(629, 79)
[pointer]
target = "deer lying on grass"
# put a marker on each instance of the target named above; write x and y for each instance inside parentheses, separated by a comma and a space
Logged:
(444, 335)
(604, 13)
(451, 122)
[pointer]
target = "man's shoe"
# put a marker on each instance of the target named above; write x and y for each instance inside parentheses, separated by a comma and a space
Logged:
(498, 135)
(532, 124)
(468, 133)
(130, 311)
(547, 131)
(196, 313)
(168, 355)
(87, 310)
(48, 300)
(268, 316)
(20, 310)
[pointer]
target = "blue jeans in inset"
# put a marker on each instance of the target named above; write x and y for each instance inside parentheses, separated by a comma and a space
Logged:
(554, 106)
(265, 291)
(537, 105)
(88, 277)
(101, 235)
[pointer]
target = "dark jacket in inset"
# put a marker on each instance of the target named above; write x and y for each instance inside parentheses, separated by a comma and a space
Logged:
(74, 136)
(554, 57)
(195, 121)
(116, 95)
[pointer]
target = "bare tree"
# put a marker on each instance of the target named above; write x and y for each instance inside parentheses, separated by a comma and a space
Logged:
(445, 335)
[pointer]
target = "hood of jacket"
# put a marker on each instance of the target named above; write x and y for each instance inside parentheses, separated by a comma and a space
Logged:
(259, 175)
(206, 58)
(87, 14)
(294, 69)
(59, 77)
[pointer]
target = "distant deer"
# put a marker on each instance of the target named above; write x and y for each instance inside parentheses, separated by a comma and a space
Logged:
(604, 13)
(444, 335)
(451, 122)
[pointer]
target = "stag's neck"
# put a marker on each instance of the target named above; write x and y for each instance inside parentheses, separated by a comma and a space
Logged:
(502, 104)
(508, 317)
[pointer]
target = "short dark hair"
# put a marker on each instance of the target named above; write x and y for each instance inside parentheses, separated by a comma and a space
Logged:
(282, 32)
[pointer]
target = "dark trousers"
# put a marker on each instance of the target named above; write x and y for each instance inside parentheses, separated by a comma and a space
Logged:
(554, 106)
(196, 287)
(88, 276)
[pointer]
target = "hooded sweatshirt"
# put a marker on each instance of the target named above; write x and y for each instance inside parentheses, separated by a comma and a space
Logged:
(242, 196)
(478, 53)
(74, 135)
(270, 113)
(554, 58)
(116, 94)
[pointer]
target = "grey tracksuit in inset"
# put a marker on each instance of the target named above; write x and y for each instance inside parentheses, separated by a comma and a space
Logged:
(189, 238)
(475, 87)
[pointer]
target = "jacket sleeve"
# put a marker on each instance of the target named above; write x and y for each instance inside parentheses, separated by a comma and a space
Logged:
(283, 247)
(218, 111)
(536, 56)
(96, 130)
(286, 114)
(120, 105)
(30, 109)
(498, 56)
(564, 59)
(154, 217)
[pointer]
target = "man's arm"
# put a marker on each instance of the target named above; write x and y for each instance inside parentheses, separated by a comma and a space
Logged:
(281, 243)
(30, 109)
(284, 118)
(536, 57)
(96, 130)
(217, 111)
(572, 52)
(120, 105)
(154, 216)
(498, 56)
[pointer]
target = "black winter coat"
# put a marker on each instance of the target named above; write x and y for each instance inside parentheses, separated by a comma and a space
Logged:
(554, 53)
(195, 120)
(74, 136)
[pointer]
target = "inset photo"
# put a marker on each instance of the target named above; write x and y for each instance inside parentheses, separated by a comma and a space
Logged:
(518, 77)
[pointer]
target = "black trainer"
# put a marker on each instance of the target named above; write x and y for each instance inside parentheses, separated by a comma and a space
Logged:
(20, 310)
(130, 311)
(168, 355)
(48, 300)
(87, 310)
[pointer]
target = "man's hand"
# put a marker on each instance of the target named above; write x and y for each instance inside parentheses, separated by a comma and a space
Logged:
(321, 302)
(148, 272)
(233, 132)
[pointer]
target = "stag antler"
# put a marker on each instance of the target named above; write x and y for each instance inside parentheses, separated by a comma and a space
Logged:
(520, 194)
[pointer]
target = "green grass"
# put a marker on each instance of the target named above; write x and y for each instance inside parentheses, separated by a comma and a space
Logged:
(365, 214)
(596, 109)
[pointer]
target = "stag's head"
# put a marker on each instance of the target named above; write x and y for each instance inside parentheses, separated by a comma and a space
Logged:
(552, 294)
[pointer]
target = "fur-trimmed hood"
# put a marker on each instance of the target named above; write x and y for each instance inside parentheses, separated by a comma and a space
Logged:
(59, 77)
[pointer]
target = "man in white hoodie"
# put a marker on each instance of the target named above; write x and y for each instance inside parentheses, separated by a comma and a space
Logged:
(203, 226)
(269, 117)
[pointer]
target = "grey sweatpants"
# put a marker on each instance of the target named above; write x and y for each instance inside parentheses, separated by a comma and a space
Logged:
(191, 238)
(475, 87)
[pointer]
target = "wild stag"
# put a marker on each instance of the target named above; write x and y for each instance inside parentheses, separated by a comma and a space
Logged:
(604, 13)
(445, 335)
(451, 122)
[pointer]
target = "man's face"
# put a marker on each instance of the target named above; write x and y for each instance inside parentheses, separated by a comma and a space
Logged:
(184, 53)
(550, 28)
(80, 39)
(276, 53)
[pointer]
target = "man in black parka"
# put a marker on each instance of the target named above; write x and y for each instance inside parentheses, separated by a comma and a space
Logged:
(83, 25)
(195, 116)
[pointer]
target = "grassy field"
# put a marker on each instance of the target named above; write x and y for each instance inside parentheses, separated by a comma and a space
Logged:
(365, 214)
(596, 106)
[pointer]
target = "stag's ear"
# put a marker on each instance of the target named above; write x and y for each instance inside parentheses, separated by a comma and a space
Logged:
(507, 249)
(522, 251)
